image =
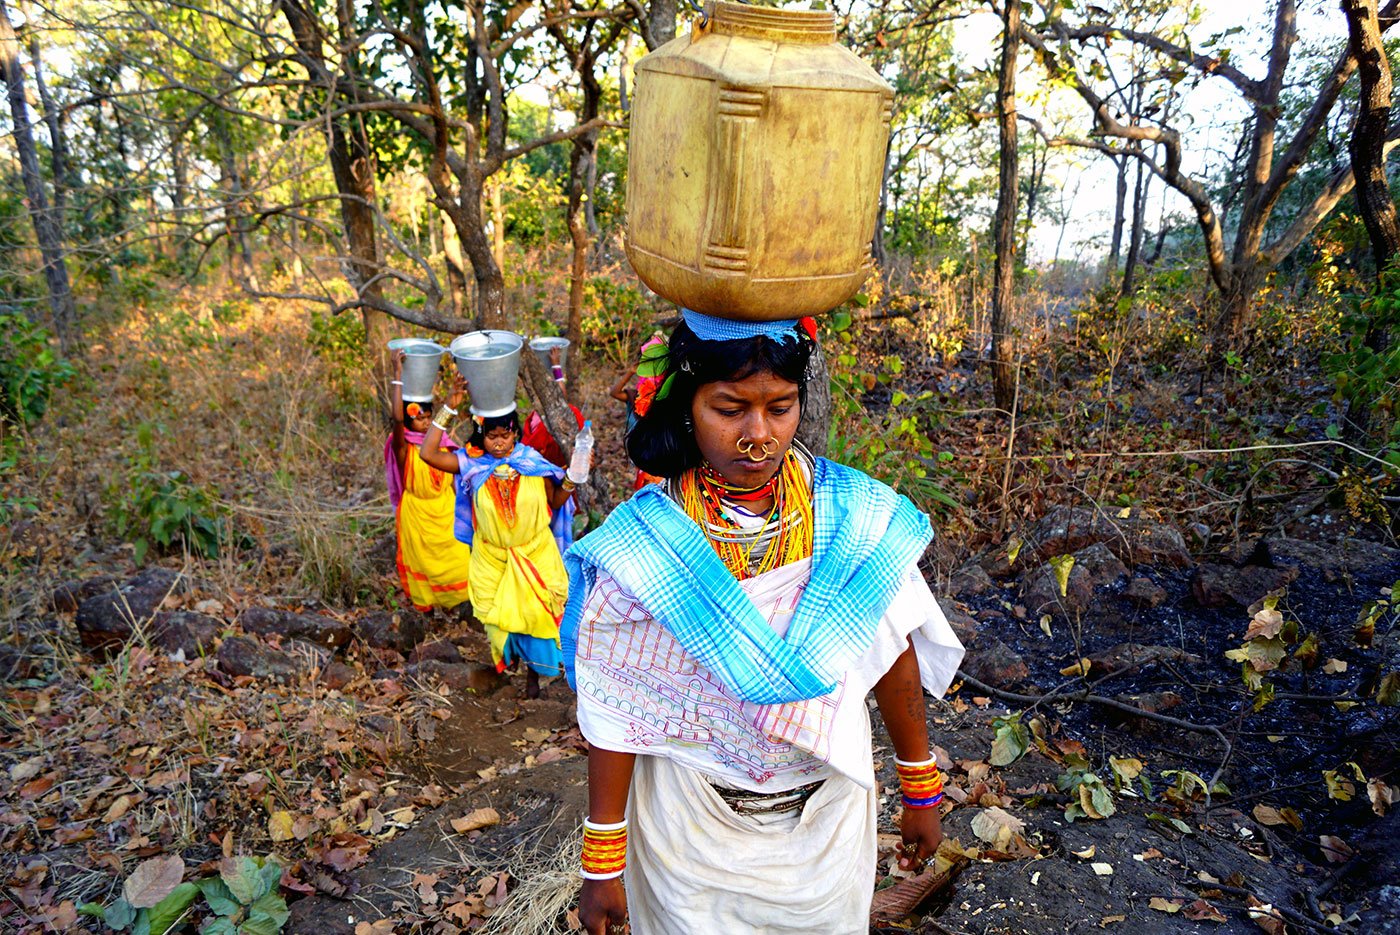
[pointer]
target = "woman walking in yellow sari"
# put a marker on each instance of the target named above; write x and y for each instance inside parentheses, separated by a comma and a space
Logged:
(433, 565)
(516, 510)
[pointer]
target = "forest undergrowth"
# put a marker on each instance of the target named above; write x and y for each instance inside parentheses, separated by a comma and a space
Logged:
(239, 442)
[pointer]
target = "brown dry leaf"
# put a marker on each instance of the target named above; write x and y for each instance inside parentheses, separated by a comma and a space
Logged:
(1267, 623)
(1380, 795)
(37, 787)
(281, 826)
(1164, 905)
(1334, 666)
(1106, 921)
(119, 807)
(476, 820)
(997, 827)
(1077, 668)
(1335, 849)
(23, 772)
(73, 834)
(1202, 911)
(153, 880)
(1268, 815)
(1265, 916)
(378, 927)
(1084, 854)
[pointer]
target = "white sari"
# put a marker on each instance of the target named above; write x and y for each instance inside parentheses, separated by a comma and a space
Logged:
(694, 865)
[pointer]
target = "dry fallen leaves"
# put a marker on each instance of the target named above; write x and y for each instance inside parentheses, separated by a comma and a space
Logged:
(476, 820)
(997, 827)
(153, 880)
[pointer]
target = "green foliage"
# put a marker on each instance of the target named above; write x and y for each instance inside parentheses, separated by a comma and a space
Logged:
(339, 340)
(29, 369)
(242, 900)
(894, 445)
(1089, 797)
(1010, 740)
(150, 508)
(616, 318)
(1366, 371)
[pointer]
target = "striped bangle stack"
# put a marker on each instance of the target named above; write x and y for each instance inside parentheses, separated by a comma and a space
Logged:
(920, 783)
(604, 850)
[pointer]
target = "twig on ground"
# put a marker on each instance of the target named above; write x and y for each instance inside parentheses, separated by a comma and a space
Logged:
(1126, 708)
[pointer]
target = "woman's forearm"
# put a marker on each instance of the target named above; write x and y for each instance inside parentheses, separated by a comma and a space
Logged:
(431, 452)
(609, 781)
(900, 695)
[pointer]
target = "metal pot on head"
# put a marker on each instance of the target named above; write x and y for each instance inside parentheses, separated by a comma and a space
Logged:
(542, 347)
(421, 361)
(490, 363)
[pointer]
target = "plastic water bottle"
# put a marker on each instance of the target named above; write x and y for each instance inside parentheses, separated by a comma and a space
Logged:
(583, 452)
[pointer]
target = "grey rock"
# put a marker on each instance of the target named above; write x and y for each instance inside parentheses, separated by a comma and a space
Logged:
(1357, 557)
(1144, 592)
(970, 580)
(460, 677)
(1135, 539)
(994, 663)
(107, 619)
(1131, 655)
(185, 631)
(436, 651)
(239, 655)
(1227, 585)
(399, 630)
(1096, 569)
(313, 628)
(66, 597)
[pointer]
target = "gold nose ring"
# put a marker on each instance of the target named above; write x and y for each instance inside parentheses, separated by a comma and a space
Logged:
(748, 448)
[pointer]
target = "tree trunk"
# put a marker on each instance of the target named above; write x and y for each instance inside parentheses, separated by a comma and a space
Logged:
(59, 163)
(1003, 376)
(456, 267)
(1367, 148)
(47, 230)
(1120, 202)
(1135, 233)
(815, 428)
(661, 23)
(550, 403)
(582, 153)
(179, 189)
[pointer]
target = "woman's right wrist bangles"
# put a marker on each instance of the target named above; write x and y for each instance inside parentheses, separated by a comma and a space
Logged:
(440, 417)
(604, 849)
(920, 784)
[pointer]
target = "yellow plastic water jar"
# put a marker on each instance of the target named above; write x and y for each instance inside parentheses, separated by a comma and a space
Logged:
(755, 160)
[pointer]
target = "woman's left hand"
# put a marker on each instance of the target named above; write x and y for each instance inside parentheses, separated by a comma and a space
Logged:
(458, 393)
(921, 831)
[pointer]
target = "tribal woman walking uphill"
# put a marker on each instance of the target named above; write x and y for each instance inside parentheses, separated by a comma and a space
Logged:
(515, 509)
(722, 632)
(433, 566)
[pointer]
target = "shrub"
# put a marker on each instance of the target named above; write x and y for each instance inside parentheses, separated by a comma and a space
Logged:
(29, 369)
(149, 507)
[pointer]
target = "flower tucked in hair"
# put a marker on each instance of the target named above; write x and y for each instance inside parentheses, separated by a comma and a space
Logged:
(651, 372)
(414, 410)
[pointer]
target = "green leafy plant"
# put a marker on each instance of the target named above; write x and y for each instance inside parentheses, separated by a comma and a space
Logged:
(1265, 649)
(1366, 372)
(30, 372)
(165, 510)
(1089, 797)
(242, 900)
(339, 340)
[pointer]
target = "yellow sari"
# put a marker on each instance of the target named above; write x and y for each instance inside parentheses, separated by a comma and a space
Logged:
(518, 583)
(433, 565)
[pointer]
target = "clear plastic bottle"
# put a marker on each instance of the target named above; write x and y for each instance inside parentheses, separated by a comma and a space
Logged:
(583, 452)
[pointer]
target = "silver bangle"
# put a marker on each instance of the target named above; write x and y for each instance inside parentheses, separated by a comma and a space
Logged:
(440, 427)
(396, 383)
(448, 409)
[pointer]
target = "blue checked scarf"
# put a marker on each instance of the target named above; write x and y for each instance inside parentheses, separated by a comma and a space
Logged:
(865, 539)
(473, 472)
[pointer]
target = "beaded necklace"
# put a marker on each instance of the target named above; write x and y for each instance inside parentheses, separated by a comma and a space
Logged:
(502, 487)
(788, 528)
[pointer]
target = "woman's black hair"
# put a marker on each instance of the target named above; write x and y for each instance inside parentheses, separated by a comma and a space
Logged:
(663, 441)
(510, 420)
